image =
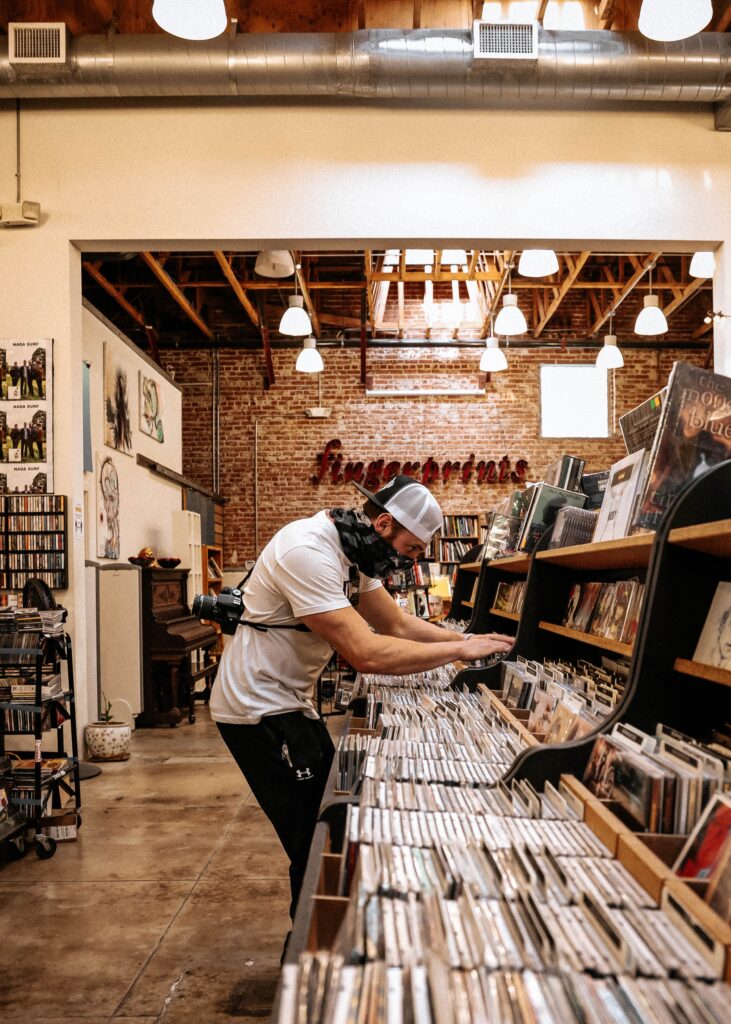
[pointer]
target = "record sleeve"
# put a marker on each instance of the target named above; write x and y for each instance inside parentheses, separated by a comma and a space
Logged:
(714, 643)
(702, 853)
(582, 615)
(545, 503)
(626, 479)
(719, 891)
(639, 425)
(694, 434)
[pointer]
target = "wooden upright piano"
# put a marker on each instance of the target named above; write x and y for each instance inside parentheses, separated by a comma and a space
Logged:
(171, 638)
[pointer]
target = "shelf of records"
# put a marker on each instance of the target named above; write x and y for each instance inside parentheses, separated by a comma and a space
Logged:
(454, 896)
(33, 540)
(671, 439)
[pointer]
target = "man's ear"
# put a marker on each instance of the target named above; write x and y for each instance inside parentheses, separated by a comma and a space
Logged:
(383, 523)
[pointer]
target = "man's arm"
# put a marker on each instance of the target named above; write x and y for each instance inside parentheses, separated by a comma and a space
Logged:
(366, 651)
(381, 612)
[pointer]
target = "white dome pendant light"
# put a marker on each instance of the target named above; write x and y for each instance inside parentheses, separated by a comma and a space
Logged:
(609, 357)
(309, 359)
(670, 20)
(538, 263)
(191, 19)
(703, 264)
(651, 319)
(510, 320)
(493, 358)
(274, 263)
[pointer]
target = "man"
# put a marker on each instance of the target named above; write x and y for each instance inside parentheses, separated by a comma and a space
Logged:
(317, 586)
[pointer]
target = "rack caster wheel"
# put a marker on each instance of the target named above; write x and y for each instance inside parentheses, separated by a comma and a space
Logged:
(45, 847)
(191, 719)
(17, 848)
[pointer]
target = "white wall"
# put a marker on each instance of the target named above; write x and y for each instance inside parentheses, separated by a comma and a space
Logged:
(145, 499)
(117, 175)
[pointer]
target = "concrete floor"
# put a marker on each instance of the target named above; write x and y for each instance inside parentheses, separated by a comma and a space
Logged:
(170, 908)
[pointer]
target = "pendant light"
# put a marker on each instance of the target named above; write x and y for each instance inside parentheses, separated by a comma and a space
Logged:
(510, 319)
(274, 263)
(538, 263)
(670, 20)
(609, 357)
(309, 359)
(191, 19)
(295, 320)
(493, 358)
(703, 264)
(651, 319)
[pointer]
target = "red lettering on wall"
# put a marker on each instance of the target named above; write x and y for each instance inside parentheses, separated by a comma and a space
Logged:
(391, 470)
(430, 472)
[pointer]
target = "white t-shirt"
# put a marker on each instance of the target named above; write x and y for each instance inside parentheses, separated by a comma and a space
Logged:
(302, 571)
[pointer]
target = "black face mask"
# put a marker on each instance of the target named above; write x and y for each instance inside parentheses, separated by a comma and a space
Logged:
(373, 555)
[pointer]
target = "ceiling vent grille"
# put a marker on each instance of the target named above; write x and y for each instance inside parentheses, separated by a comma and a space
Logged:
(37, 42)
(505, 40)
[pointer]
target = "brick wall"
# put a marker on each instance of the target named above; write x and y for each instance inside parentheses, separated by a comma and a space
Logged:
(504, 422)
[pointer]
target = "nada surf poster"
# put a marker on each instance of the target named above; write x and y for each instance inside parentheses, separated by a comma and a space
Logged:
(26, 416)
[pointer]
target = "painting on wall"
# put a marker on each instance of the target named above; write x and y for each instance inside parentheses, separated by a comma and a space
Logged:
(107, 531)
(26, 419)
(117, 421)
(151, 408)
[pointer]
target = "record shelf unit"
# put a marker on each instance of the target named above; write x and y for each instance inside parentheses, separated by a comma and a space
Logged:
(44, 717)
(689, 555)
(460, 532)
(33, 540)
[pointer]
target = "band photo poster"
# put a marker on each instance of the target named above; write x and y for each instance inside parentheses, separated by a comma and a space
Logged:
(26, 416)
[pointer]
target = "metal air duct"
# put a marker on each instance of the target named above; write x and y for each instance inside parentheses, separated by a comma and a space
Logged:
(419, 67)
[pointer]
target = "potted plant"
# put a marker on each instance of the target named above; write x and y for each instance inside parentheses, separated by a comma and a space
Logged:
(106, 739)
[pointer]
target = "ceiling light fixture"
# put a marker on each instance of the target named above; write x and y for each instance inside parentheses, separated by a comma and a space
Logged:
(493, 358)
(309, 359)
(295, 320)
(712, 317)
(609, 356)
(670, 20)
(651, 319)
(703, 264)
(538, 263)
(510, 320)
(274, 263)
(191, 19)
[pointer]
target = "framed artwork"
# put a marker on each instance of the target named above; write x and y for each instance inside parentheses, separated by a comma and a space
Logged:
(107, 528)
(117, 422)
(151, 408)
(26, 416)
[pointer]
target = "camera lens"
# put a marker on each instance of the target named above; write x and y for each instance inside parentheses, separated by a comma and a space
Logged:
(203, 606)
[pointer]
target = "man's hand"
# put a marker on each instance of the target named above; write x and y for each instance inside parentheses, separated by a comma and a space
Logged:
(482, 645)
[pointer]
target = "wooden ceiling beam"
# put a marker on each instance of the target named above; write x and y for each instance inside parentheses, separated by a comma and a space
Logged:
(306, 295)
(170, 286)
(228, 273)
(723, 18)
(417, 13)
(607, 11)
(675, 287)
(401, 309)
(574, 271)
(93, 270)
(541, 13)
(679, 301)
(641, 267)
(507, 260)
(368, 261)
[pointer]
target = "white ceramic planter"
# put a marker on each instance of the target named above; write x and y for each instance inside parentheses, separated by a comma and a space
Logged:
(108, 741)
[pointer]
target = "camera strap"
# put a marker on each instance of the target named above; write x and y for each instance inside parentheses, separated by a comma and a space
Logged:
(262, 627)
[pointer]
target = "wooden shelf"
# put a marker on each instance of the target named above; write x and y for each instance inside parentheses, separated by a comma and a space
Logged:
(468, 604)
(625, 553)
(516, 563)
(514, 616)
(710, 538)
(587, 638)
(471, 566)
(709, 672)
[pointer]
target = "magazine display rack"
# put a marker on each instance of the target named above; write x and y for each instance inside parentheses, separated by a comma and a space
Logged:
(43, 717)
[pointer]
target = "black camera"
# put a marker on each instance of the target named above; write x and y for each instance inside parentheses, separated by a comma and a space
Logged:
(225, 608)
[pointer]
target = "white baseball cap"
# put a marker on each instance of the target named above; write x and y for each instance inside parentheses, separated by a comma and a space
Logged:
(410, 503)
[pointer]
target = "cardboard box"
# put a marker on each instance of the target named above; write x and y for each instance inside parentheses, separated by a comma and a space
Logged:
(60, 825)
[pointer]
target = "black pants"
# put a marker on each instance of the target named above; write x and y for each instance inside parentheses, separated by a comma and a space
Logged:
(289, 795)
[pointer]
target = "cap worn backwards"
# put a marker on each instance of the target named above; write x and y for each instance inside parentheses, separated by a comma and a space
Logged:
(410, 503)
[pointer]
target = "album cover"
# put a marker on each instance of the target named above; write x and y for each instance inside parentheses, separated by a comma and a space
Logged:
(719, 891)
(703, 850)
(572, 606)
(621, 608)
(565, 472)
(582, 615)
(639, 425)
(638, 788)
(594, 485)
(544, 705)
(714, 644)
(599, 772)
(561, 724)
(502, 597)
(545, 503)
(626, 479)
(694, 433)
